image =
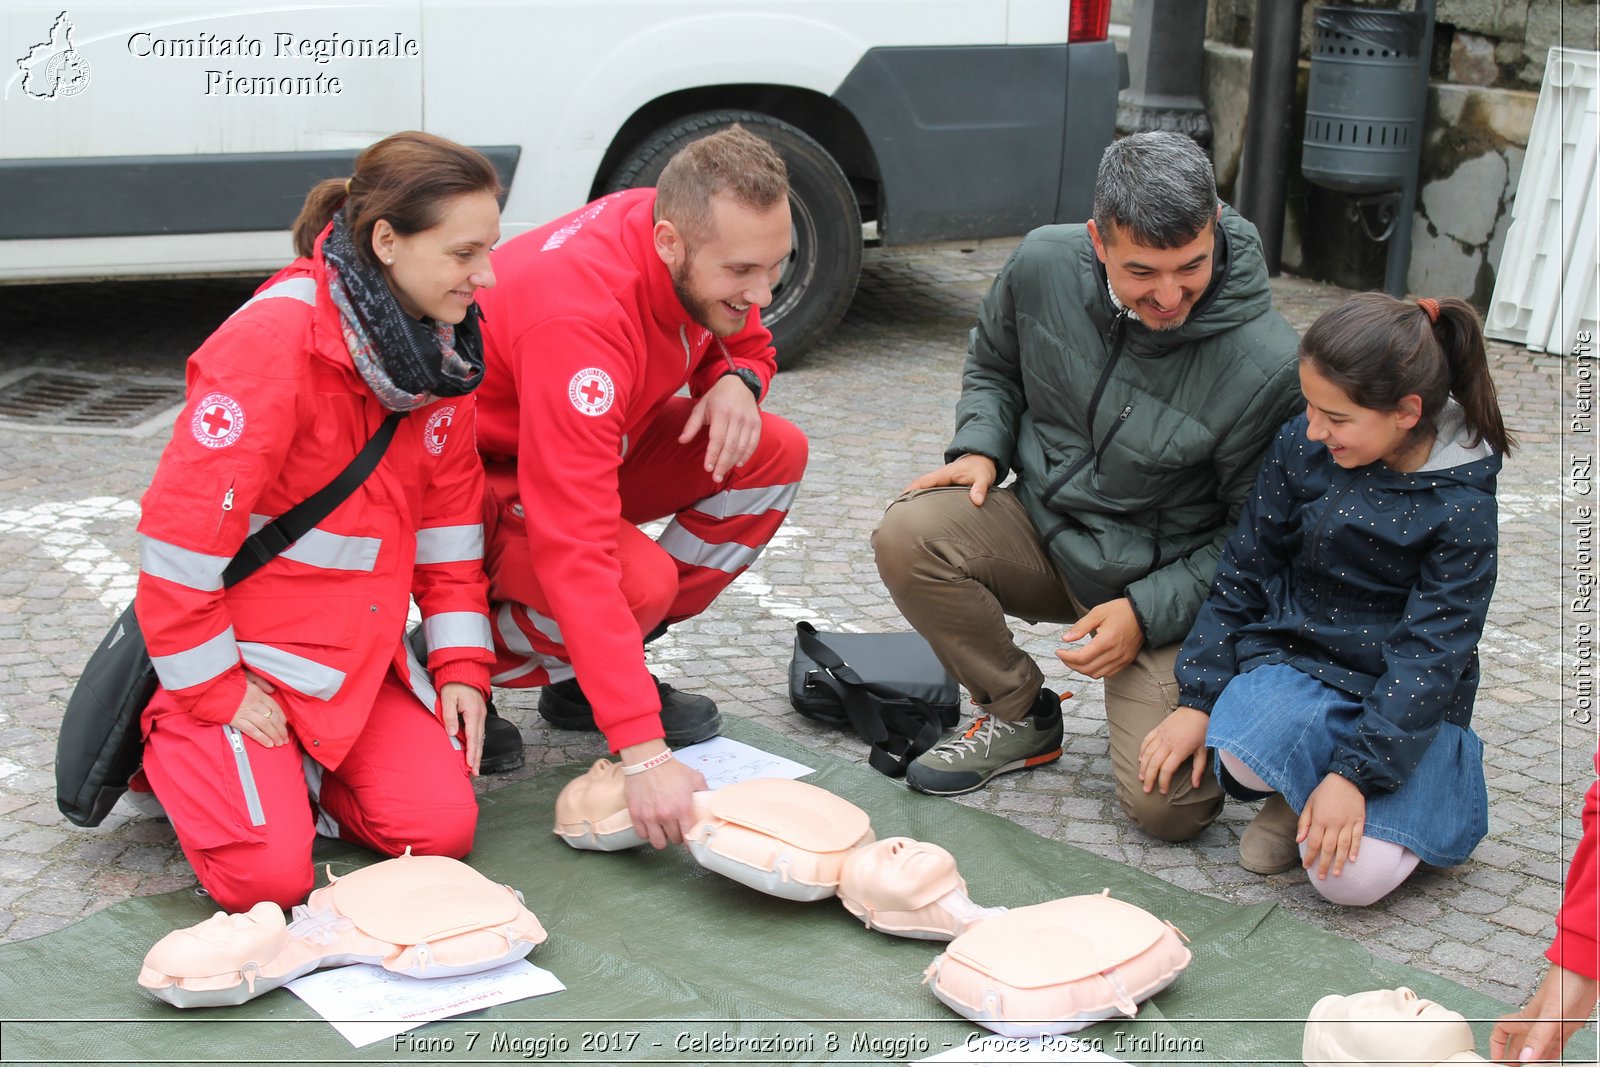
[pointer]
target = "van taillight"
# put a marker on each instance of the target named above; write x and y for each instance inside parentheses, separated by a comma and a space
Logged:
(1088, 20)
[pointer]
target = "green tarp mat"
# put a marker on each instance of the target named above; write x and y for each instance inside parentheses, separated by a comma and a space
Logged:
(665, 962)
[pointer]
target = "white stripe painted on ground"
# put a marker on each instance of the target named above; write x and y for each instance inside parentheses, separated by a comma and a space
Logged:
(60, 526)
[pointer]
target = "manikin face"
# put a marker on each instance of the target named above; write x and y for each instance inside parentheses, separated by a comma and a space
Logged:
(1389, 1026)
(1354, 435)
(721, 275)
(1159, 285)
(592, 796)
(898, 874)
(436, 273)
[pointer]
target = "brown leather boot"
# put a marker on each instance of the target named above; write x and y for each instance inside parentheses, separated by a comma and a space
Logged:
(1267, 845)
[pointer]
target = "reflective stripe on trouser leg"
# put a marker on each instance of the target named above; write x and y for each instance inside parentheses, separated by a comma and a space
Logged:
(715, 540)
(525, 655)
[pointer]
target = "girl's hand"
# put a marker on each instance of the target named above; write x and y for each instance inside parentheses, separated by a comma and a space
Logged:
(1181, 736)
(1331, 824)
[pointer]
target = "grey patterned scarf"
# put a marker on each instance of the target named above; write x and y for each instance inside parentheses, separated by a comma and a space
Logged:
(405, 362)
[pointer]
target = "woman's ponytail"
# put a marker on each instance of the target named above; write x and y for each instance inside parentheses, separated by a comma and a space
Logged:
(321, 203)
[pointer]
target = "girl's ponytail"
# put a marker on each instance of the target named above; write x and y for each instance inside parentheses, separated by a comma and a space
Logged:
(1460, 337)
(321, 203)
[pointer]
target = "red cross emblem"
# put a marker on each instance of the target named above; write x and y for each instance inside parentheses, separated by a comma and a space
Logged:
(437, 431)
(592, 391)
(218, 420)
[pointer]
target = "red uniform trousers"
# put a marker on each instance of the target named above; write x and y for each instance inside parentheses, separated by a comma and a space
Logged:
(243, 813)
(717, 531)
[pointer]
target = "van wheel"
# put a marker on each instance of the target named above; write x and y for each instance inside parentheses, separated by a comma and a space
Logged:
(817, 282)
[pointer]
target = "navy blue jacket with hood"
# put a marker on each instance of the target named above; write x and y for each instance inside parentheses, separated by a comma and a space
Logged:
(1375, 581)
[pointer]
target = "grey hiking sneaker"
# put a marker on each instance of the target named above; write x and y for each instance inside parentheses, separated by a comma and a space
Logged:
(990, 746)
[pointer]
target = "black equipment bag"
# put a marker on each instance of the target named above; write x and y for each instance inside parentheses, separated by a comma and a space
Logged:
(100, 744)
(890, 688)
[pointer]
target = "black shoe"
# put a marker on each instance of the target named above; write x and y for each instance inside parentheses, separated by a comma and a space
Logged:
(502, 741)
(686, 718)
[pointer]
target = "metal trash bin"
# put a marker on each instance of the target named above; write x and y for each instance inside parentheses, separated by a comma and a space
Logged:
(1361, 104)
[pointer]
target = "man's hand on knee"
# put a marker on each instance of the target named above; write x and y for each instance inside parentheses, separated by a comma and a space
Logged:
(971, 469)
(1117, 639)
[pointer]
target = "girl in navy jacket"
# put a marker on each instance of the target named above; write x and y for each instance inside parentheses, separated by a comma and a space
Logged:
(1334, 665)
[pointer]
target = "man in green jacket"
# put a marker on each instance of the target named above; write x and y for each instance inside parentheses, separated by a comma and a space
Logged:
(1131, 372)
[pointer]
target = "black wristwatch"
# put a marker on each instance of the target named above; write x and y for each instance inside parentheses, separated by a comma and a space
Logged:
(750, 378)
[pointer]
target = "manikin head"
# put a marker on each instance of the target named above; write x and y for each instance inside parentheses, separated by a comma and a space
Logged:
(723, 226)
(909, 888)
(1155, 225)
(1393, 1027)
(592, 810)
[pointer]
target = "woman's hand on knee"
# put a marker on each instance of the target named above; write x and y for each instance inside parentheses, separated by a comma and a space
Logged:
(1181, 736)
(463, 713)
(1331, 825)
(259, 717)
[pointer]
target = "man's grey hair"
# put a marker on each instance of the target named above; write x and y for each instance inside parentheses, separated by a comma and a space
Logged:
(1158, 187)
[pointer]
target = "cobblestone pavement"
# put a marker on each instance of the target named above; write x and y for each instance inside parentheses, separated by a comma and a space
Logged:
(877, 402)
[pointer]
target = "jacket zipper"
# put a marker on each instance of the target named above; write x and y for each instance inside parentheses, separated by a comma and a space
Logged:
(247, 778)
(227, 506)
(1116, 335)
(1122, 417)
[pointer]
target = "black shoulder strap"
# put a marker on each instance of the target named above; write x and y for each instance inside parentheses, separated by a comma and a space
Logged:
(286, 529)
(898, 732)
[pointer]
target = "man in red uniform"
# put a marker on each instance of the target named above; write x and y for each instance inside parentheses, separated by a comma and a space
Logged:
(598, 320)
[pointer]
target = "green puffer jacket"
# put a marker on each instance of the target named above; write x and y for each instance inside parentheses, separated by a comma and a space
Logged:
(1134, 449)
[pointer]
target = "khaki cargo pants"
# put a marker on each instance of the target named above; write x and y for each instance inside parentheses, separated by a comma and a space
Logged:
(956, 571)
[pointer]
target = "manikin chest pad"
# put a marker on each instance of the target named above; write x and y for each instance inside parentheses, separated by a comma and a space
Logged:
(422, 916)
(1057, 967)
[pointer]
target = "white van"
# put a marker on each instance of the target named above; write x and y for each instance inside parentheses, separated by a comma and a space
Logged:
(151, 138)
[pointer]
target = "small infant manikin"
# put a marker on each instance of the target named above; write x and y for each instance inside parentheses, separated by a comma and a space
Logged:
(909, 889)
(1392, 1027)
(423, 916)
(785, 838)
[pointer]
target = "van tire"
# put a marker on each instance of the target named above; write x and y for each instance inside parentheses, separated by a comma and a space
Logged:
(820, 277)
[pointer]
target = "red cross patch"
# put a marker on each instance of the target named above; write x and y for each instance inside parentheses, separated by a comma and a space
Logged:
(218, 420)
(437, 431)
(592, 391)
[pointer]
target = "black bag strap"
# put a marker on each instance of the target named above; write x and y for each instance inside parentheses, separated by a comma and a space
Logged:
(897, 734)
(277, 535)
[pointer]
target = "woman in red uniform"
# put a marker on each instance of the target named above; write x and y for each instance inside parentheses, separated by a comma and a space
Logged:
(290, 703)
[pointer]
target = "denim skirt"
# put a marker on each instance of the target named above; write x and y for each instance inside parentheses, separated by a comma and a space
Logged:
(1284, 725)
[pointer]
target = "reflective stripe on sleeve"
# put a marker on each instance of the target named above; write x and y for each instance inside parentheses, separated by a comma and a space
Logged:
(330, 551)
(747, 501)
(297, 672)
(458, 629)
(203, 662)
(194, 570)
(450, 544)
(301, 289)
(685, 547)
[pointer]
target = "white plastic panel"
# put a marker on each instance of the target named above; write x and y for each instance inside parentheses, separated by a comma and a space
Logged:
(1545, 290)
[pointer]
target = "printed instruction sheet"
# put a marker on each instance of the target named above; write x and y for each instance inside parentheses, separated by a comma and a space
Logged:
(724, 761)
(366, 1003)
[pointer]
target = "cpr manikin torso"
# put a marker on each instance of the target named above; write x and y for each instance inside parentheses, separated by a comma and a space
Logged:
(1074, 961)
(1393, 1027)
(423, 916)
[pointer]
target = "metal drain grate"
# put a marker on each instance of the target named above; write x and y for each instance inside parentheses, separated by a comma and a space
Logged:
(86, 402)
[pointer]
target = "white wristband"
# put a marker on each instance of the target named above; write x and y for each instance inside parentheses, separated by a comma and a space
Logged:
(650, 764)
